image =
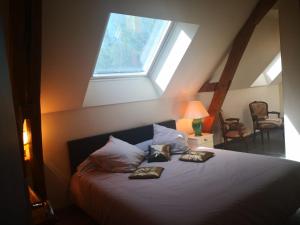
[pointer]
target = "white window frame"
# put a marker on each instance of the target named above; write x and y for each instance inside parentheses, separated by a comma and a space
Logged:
(162, 45)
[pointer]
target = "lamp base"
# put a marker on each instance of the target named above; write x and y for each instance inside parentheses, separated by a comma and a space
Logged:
(197, 127)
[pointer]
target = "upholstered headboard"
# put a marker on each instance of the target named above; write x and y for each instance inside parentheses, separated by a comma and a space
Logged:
(80, 149)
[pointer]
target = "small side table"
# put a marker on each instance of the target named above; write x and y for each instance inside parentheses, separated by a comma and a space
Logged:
(206, 140)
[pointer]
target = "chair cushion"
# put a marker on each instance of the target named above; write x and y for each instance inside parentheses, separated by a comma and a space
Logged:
(235, 133)
(270, 123)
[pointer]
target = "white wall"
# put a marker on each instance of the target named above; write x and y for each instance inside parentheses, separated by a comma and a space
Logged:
(72, 32)
(60, 127)
(237, 102)
(262, 48)
(289, 22)
(115, 91)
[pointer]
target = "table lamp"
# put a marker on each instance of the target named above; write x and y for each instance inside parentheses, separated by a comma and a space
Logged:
(196, 111)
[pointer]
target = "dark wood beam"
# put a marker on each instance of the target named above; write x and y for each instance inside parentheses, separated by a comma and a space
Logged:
(15, 207)
(237, 50)
(209, 87)
(25, 72)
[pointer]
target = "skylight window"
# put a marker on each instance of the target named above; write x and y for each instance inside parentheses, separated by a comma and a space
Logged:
(157, 55)
(275, 68)
(130, 45)
(270, 73)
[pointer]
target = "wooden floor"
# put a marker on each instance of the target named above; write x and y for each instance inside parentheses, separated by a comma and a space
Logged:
(75, 216)
(274, 147)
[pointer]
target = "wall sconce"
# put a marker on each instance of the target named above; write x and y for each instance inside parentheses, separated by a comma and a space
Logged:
(27, 140)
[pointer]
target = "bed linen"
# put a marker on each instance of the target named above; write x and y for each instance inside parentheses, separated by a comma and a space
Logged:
(231, 188)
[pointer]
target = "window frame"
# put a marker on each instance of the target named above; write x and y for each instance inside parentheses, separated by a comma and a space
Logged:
(162, 44)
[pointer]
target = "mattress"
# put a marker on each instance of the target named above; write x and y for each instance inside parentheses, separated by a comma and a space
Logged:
(231, 188)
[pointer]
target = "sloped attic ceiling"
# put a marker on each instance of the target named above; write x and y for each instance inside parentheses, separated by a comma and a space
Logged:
(262, 48)
(72, 32)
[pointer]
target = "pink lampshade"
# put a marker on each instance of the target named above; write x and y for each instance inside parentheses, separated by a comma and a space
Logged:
(195, 110)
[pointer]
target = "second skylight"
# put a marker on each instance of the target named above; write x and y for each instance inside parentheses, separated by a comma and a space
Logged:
(270, 73)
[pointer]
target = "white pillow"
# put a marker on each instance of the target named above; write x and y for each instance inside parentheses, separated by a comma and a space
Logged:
(118, 156)
(163, 135)
(145, 146)
(86, 166)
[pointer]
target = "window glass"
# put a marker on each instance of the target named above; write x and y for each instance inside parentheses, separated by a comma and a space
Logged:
(130, 45)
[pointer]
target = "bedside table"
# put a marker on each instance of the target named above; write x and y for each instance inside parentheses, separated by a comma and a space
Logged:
(206, 140)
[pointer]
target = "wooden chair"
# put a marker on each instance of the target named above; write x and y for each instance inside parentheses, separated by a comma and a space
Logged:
(262, 121)
(233, 129)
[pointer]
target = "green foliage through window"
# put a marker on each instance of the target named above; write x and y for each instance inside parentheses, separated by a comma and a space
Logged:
(130, 44)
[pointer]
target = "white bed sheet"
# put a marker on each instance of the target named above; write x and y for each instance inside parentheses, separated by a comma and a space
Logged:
(231, 188)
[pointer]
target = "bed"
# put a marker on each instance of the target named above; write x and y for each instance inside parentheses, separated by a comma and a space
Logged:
(231, 188)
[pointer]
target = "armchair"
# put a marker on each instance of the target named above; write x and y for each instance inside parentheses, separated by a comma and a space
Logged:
(261, 119)
(232, 128)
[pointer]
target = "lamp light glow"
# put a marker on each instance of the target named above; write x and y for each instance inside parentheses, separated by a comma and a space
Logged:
(196, 111)
(26, 140)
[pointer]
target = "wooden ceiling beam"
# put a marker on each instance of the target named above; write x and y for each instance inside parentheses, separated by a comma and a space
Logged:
(237, 50)
(209, 87)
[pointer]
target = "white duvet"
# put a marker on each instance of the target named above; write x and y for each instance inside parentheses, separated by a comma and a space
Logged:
(229, 189)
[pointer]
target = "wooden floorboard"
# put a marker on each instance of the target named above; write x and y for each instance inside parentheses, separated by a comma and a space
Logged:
(273, 148)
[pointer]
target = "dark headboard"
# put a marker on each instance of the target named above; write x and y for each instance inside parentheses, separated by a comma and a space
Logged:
(80, 149)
